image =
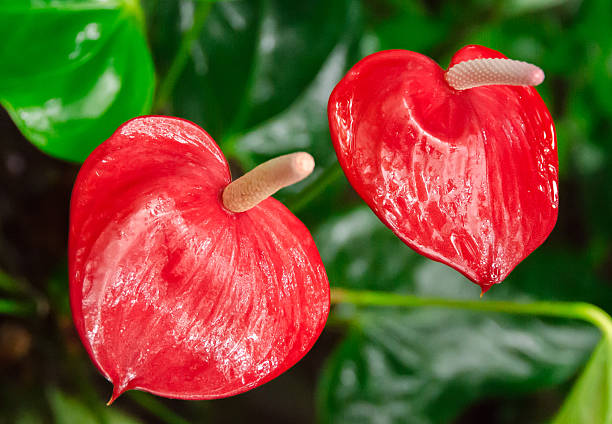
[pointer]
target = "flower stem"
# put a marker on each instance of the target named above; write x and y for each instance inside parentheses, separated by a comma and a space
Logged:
(573, 310)
(166, 86)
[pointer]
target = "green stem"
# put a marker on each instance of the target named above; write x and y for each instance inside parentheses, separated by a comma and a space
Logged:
(573, 310)
(166, 86)
(297, 202)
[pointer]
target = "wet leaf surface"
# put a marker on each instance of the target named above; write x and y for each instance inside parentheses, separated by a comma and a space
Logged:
(73, 71)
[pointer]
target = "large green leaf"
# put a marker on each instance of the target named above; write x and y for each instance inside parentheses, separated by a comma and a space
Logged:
(591, 398)
(303, 125)
(426, 365)
(264, 70)
(73, 71)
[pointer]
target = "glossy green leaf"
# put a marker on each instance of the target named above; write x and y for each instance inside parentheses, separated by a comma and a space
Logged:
(264, 70)
(210, 88)
(426, 365)
(303, 125)
(166, 25)
(73, 71)
(355, 250)
(591, 398)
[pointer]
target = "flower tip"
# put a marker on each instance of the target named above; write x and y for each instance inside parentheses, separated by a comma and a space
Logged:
(304, 163)
(484, 288)
(537, 76)
(117, 391)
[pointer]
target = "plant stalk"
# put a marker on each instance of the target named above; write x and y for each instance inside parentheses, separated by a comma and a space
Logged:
(573, 310)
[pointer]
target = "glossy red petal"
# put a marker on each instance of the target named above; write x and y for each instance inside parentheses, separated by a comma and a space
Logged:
(468, 178)
(170, 292)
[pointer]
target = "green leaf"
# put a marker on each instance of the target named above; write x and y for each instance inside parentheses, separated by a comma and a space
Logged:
(303, 125)
(590, 400)
(359, 252)
(412, 30)
(152, 404)
(426, 365)
(212, 84)
(265, 70)
(73, 71)
(356, 247)
(67, 409)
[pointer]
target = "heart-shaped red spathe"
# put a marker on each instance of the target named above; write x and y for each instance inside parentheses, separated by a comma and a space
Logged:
(170, 292)
(468, 178)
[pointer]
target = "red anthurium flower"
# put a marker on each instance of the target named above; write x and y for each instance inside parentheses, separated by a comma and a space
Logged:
(182, 284)
(460, 164)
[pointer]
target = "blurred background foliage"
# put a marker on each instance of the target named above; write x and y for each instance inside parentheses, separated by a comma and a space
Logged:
(256, 74)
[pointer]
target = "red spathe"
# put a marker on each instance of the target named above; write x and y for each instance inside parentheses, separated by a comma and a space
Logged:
(170, 292)
(468, 178)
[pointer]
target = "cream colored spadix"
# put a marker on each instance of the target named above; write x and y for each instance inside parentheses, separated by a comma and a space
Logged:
(479, 72)
(266, 179)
